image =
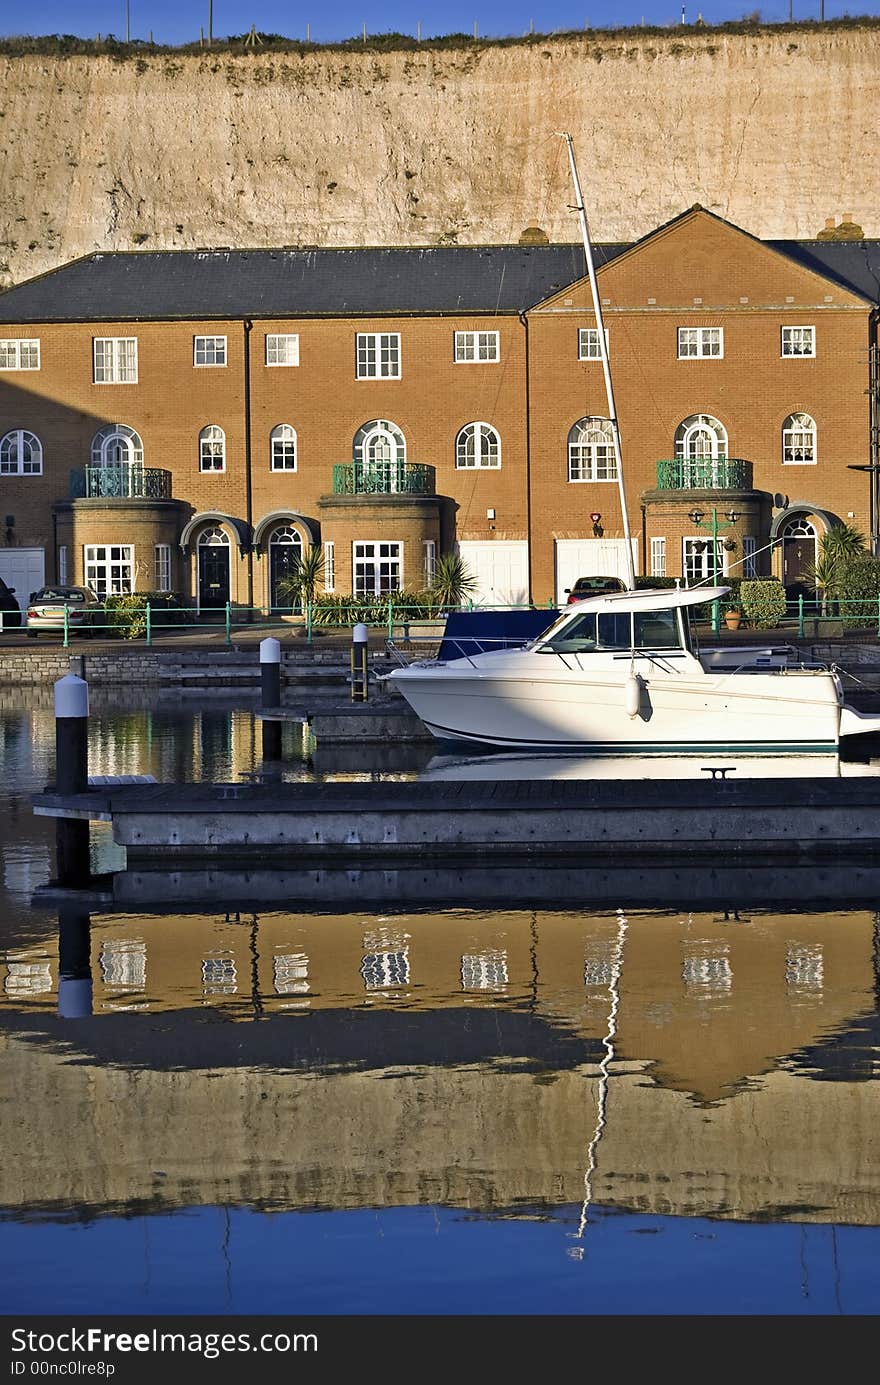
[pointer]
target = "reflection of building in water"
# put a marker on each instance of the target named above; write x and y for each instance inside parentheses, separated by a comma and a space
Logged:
(219, 975)
(383, 969)
(28, 978)
(484, 971)
(290, 973)
(706, 967)
(804, 967)
(123, 962)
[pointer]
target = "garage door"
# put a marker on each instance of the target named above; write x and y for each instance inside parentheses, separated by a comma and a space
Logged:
(501, 570)
(24, 569)
(589, 558)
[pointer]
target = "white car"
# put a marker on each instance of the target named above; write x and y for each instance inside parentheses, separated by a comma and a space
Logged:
(46, 608)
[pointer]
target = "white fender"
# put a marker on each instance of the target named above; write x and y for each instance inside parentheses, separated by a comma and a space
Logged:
(632, 695)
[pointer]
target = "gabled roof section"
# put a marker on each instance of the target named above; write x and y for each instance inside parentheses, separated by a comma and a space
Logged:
(698, 258)
(160, 285)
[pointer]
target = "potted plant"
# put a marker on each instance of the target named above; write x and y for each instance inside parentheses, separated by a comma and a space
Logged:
(732, 617)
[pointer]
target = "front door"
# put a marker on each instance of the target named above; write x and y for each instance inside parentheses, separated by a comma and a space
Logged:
(213, 575)
(285, 551)
(798, 556)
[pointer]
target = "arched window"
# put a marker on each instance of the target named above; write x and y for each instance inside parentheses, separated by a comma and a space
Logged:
(212, 449)
(591, 451)
(215, 537)
(477, 445)
(282, 448)
(115, 445)
(799, 440)
(21, 454)
(379, 441)
(700, 445)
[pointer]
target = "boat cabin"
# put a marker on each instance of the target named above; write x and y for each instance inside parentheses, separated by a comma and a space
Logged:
(637, 622)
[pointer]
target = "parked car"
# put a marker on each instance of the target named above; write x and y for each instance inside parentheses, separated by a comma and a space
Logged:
(10, 612)
(593, 586)
(45, 612)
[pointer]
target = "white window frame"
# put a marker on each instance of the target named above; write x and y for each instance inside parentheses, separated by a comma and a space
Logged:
(749, 567)
(701, 576)
(13, 351)
(791, 430)
(116, 564)
(377, 356)
(793, 345)
(118, 364)
(162, 569)
(114, 438)
(208, 347)
(62, 564)
(14, 442)
(329, 566)
(582, 456)
(658, 557)
(282, 349)
(476, 348)
(588, 344)
(429, 547)
(208, 440)
(284, 435)
(474, 442)
(702, 340)
(375, 553)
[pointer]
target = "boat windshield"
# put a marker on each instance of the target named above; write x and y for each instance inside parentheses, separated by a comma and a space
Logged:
(615, 630)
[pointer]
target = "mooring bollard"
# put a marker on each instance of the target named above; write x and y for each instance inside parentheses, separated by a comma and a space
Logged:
(72, 776)
(74, 962)
(270, 695)
(360, 680)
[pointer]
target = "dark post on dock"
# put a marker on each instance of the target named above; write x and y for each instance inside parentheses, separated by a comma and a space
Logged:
(270, 695)
(74, 961)
(72, 776)
(360, 683)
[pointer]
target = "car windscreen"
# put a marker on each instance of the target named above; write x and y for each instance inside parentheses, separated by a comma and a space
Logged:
(73, 598)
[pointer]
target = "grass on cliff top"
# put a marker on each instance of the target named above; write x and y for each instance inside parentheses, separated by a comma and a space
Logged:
(72, 45)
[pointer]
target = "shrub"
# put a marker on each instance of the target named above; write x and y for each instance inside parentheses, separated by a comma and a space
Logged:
(126, 616)
(762, 602)
(858, 590)
(332, 610)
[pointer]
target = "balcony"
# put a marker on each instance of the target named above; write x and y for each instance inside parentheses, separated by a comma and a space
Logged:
(122, 481)
(704, 474)
(383, 478)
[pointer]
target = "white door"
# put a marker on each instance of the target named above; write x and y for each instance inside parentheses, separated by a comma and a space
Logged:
(589, 558)
(501, 569)
(24, 569)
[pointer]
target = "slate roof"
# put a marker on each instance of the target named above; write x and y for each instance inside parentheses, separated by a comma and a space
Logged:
(163, 284)
(373, 282)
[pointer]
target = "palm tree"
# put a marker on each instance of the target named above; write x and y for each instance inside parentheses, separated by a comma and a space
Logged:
(452, 580)
(837, 549)
(306, 576)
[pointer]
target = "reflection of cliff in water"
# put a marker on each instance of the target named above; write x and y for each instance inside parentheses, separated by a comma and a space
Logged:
(296, 1061)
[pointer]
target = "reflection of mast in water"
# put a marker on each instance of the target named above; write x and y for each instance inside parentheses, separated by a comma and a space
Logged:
(577, 1252)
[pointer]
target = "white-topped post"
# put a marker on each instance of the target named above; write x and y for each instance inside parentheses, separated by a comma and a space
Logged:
(360, 682)
(72, 775)
(270, 695)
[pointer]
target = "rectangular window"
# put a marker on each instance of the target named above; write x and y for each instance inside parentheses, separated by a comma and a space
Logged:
(698, 565)
(378, 355)
(282, 348)
(658, 557)
(20, 354)
(110, 569)
(378, 568)
(116, 360)
(209, 350)
(62, 564)
(588, 344)
(750, 567)
(329, 566)
(700, 341)
(476, 346)
(163, 567)
(430, 548)
(798, 341)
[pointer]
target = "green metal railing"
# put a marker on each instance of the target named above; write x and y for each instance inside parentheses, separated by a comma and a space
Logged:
(384, 478)
(122, 481)
(704, 474)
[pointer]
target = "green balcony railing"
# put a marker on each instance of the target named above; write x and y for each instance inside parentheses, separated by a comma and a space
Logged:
(704, 474)
(384, 478)
(121, 481)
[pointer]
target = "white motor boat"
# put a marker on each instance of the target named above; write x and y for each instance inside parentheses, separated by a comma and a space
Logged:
(621, 673)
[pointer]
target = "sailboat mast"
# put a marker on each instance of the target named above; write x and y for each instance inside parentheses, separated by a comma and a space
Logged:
(603, 352)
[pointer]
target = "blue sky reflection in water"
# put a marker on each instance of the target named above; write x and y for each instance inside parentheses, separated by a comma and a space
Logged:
(438, 1260)
(359, 1104)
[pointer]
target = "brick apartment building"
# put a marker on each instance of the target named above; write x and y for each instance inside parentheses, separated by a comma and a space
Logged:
(189, 421)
